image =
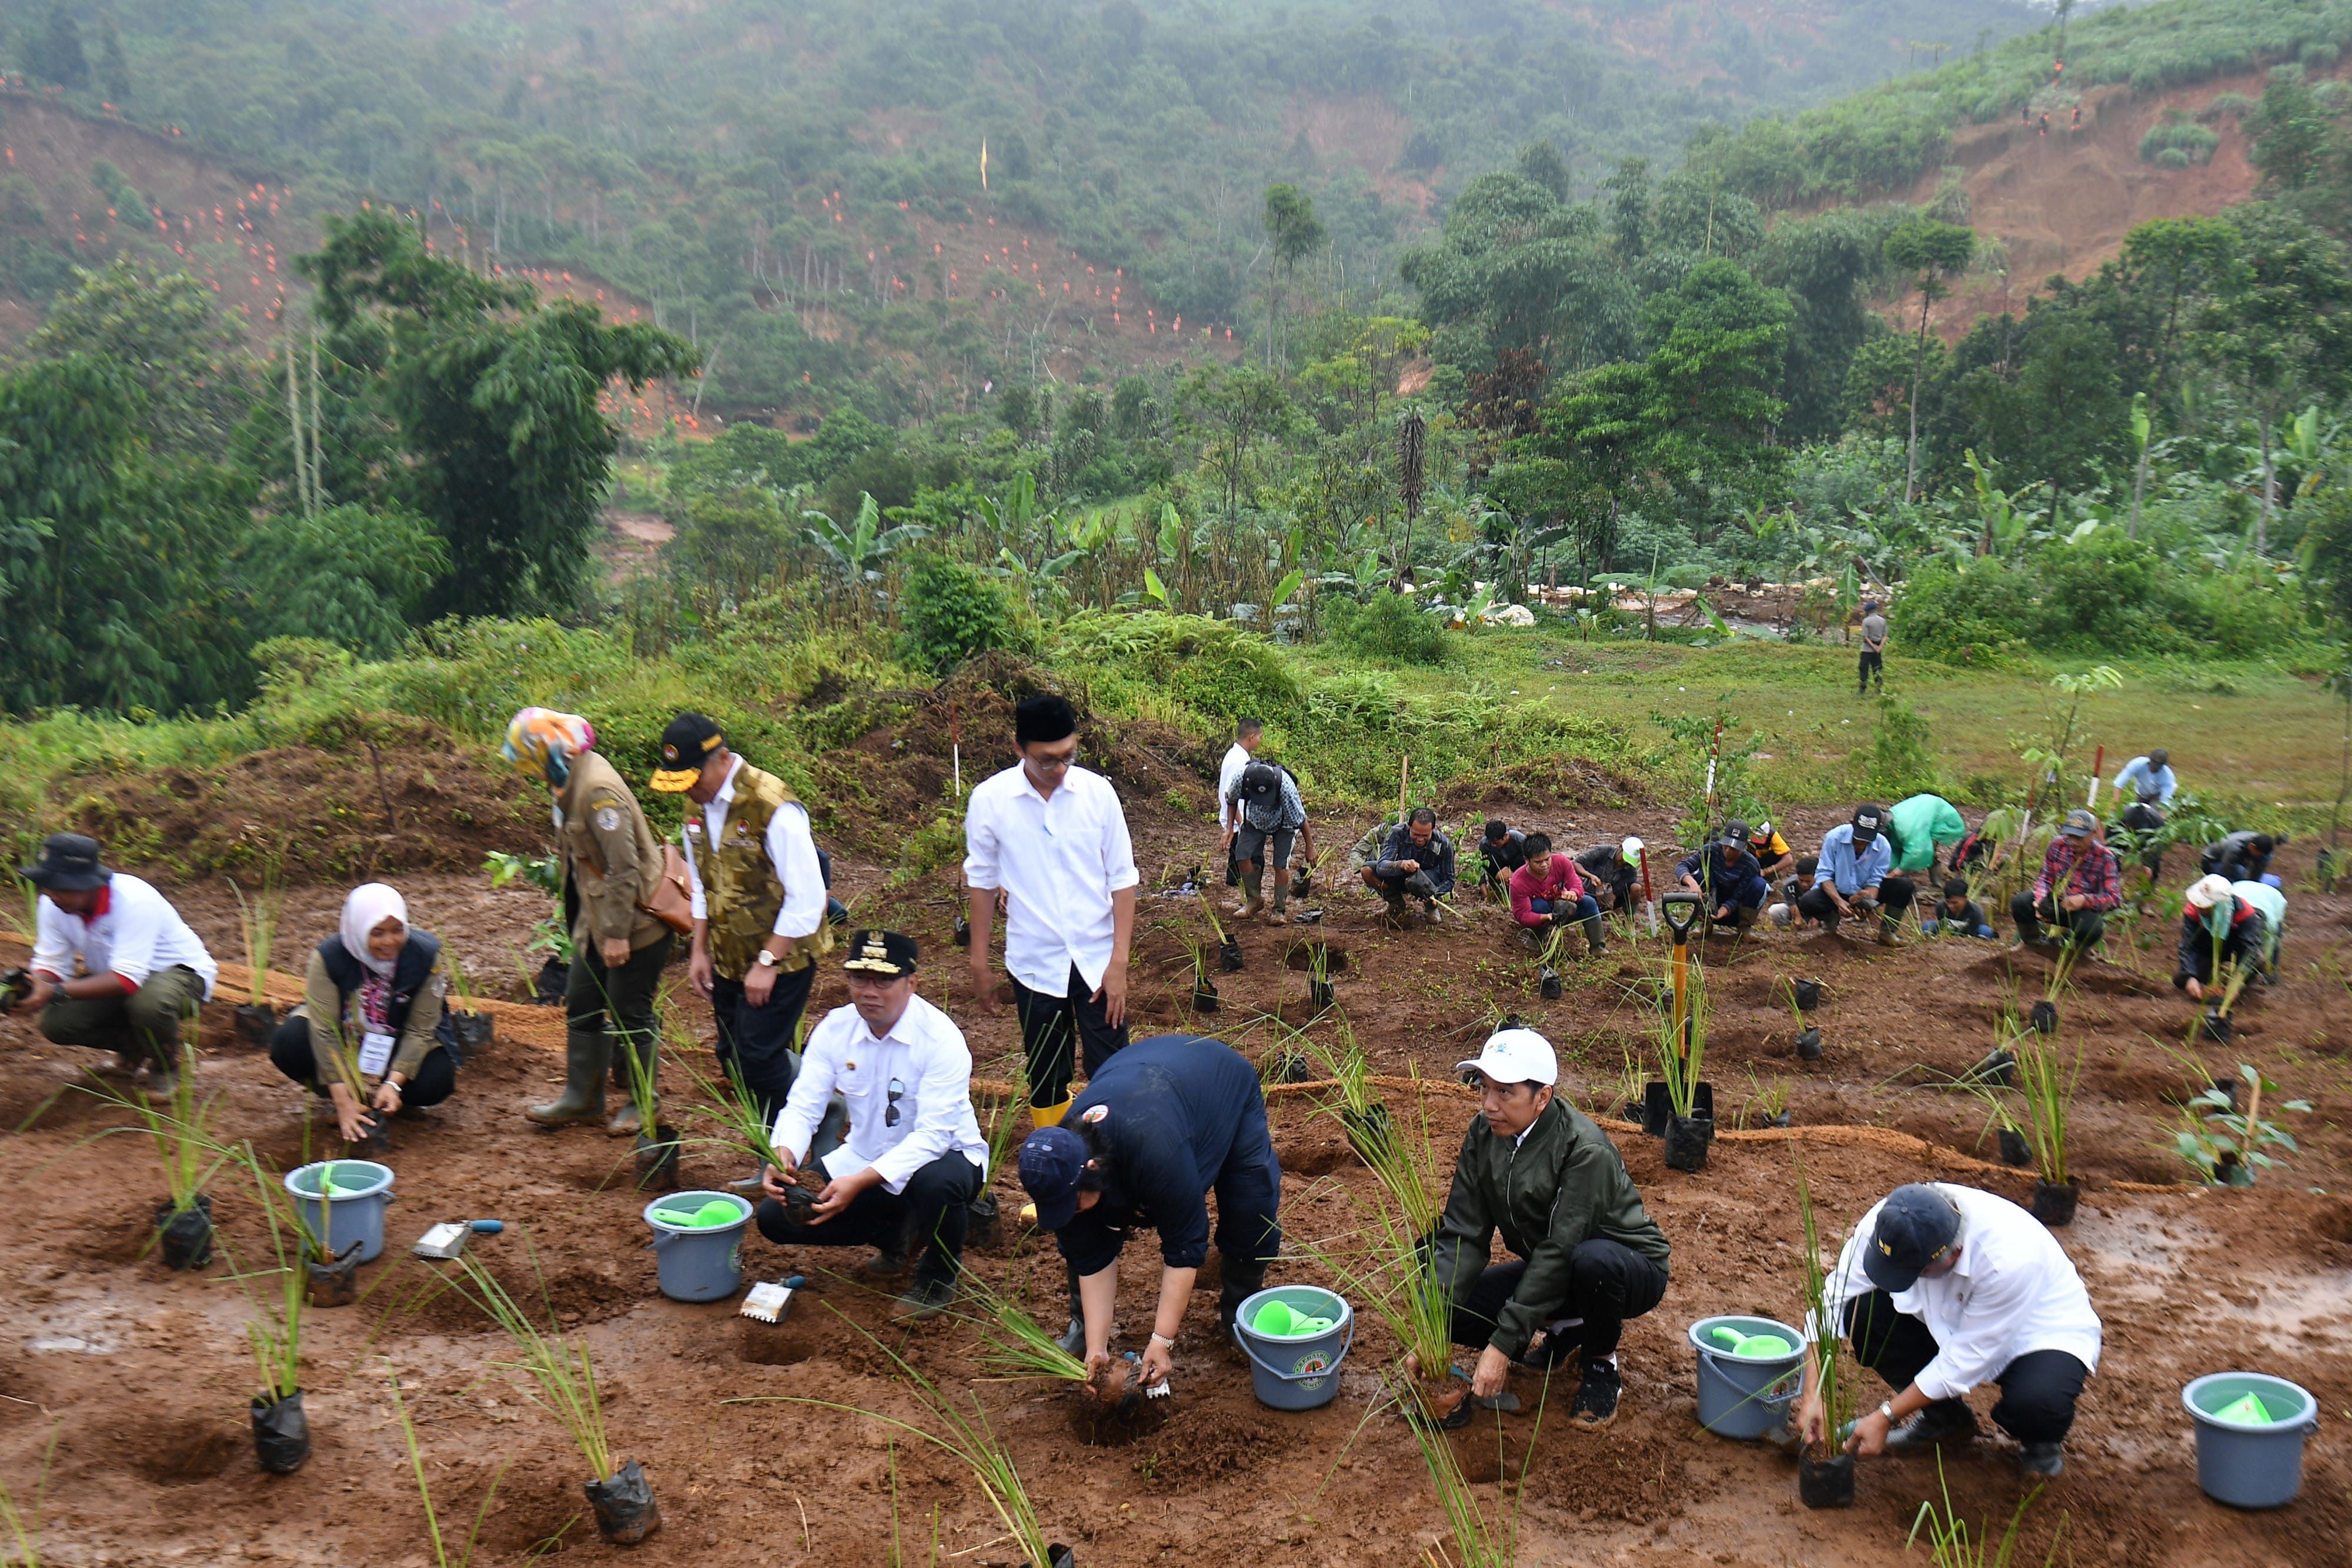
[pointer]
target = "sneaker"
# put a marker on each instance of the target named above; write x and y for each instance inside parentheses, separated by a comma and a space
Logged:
(2043, 1459)
(926, 1298)
(1596, 1397)
(1940, 1421)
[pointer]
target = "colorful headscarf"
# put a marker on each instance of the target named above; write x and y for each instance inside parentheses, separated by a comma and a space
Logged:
(541, 742)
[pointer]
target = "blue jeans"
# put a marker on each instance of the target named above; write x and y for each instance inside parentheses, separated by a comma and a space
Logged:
(1932, 926)
(1587, 908)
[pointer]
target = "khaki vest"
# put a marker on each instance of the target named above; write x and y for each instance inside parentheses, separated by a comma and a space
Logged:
(740, 893)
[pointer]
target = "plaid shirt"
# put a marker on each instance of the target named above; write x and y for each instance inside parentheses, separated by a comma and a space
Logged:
(2095, 872)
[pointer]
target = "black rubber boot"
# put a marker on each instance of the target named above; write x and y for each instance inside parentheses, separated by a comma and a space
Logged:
(1596, 939)
(1073, 1338)
(1241, 1281)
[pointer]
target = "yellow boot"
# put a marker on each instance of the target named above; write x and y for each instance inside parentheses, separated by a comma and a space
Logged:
(1047, 1115)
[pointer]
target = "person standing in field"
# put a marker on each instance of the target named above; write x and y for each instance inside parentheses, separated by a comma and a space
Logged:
(1874, 646)
(1248, 735)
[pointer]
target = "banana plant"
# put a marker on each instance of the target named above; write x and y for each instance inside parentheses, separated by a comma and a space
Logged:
(856, 554)
(2004, 525)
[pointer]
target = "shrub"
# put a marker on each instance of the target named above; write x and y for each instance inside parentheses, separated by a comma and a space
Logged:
(2170, 158)
(1898, 763)
(951, 613)
(1386, 627)
(1976, 614)
(2229, 104)
(2195, 143)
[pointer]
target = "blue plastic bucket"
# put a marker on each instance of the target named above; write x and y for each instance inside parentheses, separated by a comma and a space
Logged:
(1745, 1397)
(354, 1212)
(698, 1263)
(1296, 1373)
(2245, 1464)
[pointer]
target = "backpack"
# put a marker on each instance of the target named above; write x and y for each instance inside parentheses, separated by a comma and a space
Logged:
(1262, 784)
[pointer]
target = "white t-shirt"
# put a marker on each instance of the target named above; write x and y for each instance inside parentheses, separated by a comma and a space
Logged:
(791, 850)
(2013, 1292)
(1229, 773)
(1059, 860)
(925, 1056)
(133, 933)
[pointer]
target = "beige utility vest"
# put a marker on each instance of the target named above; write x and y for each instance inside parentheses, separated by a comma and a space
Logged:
(740, 892)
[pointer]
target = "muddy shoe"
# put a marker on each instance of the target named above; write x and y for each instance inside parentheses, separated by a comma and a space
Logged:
(625, 1122)
(1251, 908)
(2043, 1459)
(925, 1299)
(1942, 1421)
(1596, 1397)
(1431, 912)
(162, 1085)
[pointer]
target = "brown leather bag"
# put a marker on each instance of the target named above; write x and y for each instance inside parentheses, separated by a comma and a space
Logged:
(673, 902)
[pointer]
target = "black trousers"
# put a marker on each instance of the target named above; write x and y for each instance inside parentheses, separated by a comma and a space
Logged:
(1895, 895)
(2142, 818)
(2039, 1390)
(2085, 927)
(758, 1042)
(291, 1052)
(935, 1203)
(1049, 1027)
(1873, 664)
(1607, 1283)
(618, 1003)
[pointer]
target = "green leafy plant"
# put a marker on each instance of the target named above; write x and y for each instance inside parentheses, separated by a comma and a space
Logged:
(560, 1375)
(2229, 1145)
(441, 1557)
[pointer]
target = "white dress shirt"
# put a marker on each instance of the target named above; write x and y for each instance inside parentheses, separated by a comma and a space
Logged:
(133, 933)
(924, 1055)
(1059, 860)
(2013, 1291)
(791, 850)
(1229, 773)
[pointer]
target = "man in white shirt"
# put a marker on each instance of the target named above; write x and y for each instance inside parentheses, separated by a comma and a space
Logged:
(1051, 834)
(2144, 790)
(757, 898)
(1942, 1287)
(915, 1158)
(1248, 734)
(140, 970)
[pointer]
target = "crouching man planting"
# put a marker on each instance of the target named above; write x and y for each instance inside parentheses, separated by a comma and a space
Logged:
(1585, 1255)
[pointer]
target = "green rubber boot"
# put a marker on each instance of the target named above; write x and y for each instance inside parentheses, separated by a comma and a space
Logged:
(586, 1059)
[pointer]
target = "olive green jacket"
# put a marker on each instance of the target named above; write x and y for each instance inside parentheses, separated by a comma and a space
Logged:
(322, 999)
(612, 862)
(1563, 1183)
(741, 890)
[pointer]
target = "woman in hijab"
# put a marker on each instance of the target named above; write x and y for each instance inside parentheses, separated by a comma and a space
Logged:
(372, 996)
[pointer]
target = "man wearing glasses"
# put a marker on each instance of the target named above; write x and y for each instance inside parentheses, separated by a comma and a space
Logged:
(1052, 836)
(914, 1159)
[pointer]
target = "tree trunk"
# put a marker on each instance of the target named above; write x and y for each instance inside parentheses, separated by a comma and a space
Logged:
(2269, 488)
(1918, 367)
(2139, 488)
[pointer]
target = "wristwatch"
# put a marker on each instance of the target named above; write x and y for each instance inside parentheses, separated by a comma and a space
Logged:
(767, 959)
(1887, 1408)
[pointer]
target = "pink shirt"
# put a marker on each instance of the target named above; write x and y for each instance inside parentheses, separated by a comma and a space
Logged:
(1561, 886)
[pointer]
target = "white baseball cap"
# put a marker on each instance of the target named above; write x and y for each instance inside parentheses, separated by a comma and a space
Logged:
(1516, 1056)
(2207, 891)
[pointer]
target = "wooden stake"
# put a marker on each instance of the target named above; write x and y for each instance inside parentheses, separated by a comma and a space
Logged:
(1405, 771)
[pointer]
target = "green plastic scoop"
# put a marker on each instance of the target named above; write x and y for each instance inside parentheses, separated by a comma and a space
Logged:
(330, 1188)
(1755, 1347)
(2249, 1411)
(717, 1211)
(1276, 1320)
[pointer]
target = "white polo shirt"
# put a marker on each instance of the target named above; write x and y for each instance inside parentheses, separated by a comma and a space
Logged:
(924, 1056)
(791, 850)
(133, 933)
(1229, 773)
(2013, 1292)
(1059, 860)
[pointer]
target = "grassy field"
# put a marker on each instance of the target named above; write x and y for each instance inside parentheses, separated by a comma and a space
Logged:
(2253, 735)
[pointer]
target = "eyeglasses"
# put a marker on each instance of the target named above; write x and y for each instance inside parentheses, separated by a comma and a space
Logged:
(897, 1091)
(1055, 764)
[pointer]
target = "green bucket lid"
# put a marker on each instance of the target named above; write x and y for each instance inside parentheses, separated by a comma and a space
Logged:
(1279, 1320)
(2247, 1411)
(1755, 1347)
(717, 1211)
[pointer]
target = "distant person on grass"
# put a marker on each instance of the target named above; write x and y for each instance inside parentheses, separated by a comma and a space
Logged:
(1052, 836)
(1958, 915)
(2081, 882)
(1547, 894)
(1943, 1287)
(1412, 860)
(375, 995)
(1856, 878)
(1874, 646)
(1615, 868)
(1726, 877)
(1585, 1255)
(2226, 924)
(2144, 788)
(1268, 817)
(141, 969)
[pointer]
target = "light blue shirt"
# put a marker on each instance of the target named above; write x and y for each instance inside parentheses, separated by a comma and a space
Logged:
(1848, 872)
(2150, 784)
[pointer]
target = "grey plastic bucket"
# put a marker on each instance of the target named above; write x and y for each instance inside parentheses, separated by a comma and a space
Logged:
(1301, 1373)
(698, 1265)
(2247, 1466)
(355, 1214)
(1739, 1395)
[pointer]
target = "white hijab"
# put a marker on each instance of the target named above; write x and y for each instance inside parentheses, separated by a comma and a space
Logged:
(369, 906)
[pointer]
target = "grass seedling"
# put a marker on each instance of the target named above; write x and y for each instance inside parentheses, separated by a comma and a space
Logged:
(1822, 1328)
(1386, 1261)
(562, 1377)
(2042, 1105)
(1479, 1540)
(441, 1557)
(733, 1108)
(1016, 1348)
(1682, 1052)
(258, 918)
(23, 1522)
(1765, 1104)
(180, 1126)
(966, 1436)
(274, 1333)
(1950, 1543)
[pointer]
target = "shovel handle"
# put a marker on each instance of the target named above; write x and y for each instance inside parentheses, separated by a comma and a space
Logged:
(1682, 912)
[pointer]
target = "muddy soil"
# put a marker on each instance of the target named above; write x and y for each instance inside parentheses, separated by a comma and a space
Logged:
(144, 1375)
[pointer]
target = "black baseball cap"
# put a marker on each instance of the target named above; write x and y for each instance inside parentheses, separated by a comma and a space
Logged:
(1916, 1225)
(1868, 821)
(686, 746)
(1051, 1160)
(1735, 833)
(889, 954)
(67, 863)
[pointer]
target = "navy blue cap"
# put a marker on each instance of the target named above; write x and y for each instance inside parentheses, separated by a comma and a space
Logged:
(1916, 1225)
(1051, 1161)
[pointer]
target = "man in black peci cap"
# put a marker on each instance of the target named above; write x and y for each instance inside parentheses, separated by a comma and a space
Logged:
(1943, 1287)
(915, 1158)
(113, 963)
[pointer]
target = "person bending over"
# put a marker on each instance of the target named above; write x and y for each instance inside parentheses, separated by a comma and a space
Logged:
(1547, 893)
(1727, 879)
(375, 995)
(2227, 925)
(1615, 869)
(1503, 849)
(1414, 860)
(1857, 877)
(1790, 911)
